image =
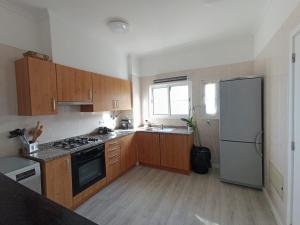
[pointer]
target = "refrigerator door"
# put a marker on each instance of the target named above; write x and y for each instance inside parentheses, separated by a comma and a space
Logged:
(241, 110)
(241, 163)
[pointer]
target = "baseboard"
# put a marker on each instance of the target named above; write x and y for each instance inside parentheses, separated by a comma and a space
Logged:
(274, 211)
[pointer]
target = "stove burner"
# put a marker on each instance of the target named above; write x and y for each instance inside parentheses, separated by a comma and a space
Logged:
(71, 143)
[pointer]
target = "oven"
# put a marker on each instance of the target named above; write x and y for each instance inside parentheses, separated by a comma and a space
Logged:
(88, 167)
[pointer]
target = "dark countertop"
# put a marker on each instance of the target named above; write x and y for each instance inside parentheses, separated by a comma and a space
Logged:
(21, 206)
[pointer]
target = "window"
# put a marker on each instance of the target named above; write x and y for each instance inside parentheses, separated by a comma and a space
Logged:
(171, 99)
(210, 99)
(179, 100)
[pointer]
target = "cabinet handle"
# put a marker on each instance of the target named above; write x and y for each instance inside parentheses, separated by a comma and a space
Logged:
(114, 162)
(54, 104)
(91, 94)
(68, 165)
(113, 104)
(117, 101)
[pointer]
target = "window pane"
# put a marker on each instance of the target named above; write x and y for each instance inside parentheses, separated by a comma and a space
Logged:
(160, 101)
(210, 99)
(179, 100)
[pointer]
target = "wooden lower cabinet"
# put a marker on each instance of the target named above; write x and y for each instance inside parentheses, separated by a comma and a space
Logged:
(168, 151)
(128, 153)
(148, 148)
(175, 151)
(57, 180)
(120, 156)
(113, 159)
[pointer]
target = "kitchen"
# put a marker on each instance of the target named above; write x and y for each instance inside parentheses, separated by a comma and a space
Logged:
(103, 129)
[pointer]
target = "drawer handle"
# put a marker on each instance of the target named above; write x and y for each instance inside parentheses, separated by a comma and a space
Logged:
(113, 156)
(114, 162)
(114, 149)
(114, 143)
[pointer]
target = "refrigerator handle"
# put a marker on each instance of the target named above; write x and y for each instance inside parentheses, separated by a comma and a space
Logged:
(258, 136)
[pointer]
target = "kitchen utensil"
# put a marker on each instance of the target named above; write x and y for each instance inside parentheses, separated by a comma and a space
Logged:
(38, 133)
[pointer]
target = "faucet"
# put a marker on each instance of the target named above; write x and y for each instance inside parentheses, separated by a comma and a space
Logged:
(162, 126)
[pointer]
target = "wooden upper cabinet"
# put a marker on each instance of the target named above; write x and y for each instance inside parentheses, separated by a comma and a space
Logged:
(74, 85)
(57, 180)
(148, 148)
(36, 87)
(109, 94)
(125, 95)
(175, 151)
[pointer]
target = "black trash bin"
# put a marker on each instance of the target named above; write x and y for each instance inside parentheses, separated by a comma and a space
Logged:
(200, 159)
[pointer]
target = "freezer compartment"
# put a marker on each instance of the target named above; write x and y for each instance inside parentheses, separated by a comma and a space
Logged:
(241, 163)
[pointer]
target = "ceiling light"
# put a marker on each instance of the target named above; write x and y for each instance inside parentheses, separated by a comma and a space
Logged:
(118, 26)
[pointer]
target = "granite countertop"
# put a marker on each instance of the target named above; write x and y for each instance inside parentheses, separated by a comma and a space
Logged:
(48, 152)
(168, 130)
(21, 206)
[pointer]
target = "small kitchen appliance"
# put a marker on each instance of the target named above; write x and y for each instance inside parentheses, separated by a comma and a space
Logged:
(125, 124)
(104, 130)
(24, 171)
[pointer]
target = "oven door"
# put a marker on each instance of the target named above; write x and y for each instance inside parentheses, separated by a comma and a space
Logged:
(88, 167)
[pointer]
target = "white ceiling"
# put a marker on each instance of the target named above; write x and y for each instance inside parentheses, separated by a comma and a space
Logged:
(158, 24)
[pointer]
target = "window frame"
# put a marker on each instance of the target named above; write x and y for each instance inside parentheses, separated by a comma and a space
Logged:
(169, 85)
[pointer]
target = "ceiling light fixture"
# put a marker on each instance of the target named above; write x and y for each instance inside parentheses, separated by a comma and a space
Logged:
(118, 25)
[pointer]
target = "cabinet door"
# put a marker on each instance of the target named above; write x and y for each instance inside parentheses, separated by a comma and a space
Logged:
(128, 153)
(84, 86)
(57, 181)
(36, 87)
(148, 148)
(103, 93)
(125, 95)
(175, 151)
(73, 85)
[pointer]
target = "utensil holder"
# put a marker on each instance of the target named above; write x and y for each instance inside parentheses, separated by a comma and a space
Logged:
(29, 147)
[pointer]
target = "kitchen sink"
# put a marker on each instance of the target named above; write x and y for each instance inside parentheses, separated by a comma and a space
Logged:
(159, 129)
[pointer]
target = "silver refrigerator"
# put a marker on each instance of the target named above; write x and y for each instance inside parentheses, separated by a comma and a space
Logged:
(241, 131)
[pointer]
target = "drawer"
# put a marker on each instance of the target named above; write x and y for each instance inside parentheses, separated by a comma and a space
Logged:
(114, 160)
(114, 144)
(114, 153)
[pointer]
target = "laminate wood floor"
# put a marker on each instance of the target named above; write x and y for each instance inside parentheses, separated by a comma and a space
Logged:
(146, 196)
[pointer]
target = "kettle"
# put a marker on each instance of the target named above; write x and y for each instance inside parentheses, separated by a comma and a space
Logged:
(125, 124)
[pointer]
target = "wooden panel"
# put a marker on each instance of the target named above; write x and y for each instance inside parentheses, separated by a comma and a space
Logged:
(66, 81)
(148, 148)
(73, 85)
(57, 180)
(42, 76)
(36, 87)
(84, 87)
(175, 151)
(125, 95)
(89, 192)
(23, 88)
(128, 153)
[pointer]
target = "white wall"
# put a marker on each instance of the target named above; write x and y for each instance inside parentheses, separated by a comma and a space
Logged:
(275, 15)
(195, 56)
(73, 47)
(19, 28)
